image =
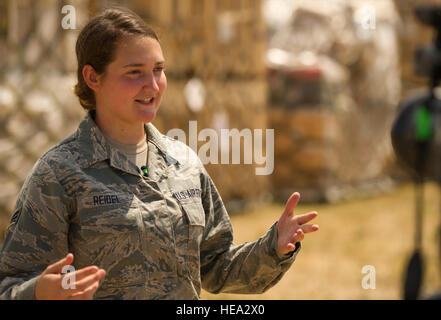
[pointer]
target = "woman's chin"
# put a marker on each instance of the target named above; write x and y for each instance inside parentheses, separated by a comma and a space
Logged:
(146, 115)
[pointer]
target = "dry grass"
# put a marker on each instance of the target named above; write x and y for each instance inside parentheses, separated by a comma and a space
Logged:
(377, 231)
(374, 231)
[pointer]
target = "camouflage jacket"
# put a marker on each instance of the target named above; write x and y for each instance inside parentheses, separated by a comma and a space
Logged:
(164, 235)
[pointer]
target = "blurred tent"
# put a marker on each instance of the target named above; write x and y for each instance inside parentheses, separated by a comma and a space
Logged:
(334, 82)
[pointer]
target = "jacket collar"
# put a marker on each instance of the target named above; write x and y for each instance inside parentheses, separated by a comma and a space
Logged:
(95, 148)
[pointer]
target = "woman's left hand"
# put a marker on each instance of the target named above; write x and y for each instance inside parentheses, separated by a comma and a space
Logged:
(291, 228)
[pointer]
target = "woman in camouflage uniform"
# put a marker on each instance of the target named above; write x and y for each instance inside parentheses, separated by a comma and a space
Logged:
(132, 211)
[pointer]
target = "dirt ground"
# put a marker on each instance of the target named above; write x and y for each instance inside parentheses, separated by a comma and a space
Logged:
(376, 231)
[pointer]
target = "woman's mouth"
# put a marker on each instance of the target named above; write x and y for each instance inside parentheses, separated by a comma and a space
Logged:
(146, 102)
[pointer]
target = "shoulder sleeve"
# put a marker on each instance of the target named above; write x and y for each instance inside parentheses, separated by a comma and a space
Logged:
(251, 267)
(37, 235)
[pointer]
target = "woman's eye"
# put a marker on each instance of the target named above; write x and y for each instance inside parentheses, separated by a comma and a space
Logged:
(159, 69)
(134, 72)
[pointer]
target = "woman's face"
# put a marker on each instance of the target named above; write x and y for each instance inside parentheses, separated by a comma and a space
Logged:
(131, 89)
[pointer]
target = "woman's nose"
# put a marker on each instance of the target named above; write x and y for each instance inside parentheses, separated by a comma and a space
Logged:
(151, 83)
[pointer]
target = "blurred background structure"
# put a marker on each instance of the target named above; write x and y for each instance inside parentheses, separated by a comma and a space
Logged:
(334, 81)
(325, 75)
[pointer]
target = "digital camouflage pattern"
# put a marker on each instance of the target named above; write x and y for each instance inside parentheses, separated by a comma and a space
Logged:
(161, 236)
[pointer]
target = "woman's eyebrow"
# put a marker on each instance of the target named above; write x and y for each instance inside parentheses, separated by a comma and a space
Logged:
(141, 64)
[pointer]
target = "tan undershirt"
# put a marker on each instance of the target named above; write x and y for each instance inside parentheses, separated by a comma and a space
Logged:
(136, 153)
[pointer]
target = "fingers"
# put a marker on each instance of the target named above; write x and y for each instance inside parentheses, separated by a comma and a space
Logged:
(86, 294)
(309, 228)
(300, 233)
(290, 247)
(58, 266)
(55, 284)
(87, 280)
(291, 229)
(298, 236)
(87, 286)
(292, 203)
(87, 271)
(304, 218)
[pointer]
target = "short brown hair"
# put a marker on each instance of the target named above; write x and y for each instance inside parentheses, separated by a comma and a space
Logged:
(97, 42)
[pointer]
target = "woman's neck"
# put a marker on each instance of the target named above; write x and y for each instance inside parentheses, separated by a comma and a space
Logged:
(118, 130)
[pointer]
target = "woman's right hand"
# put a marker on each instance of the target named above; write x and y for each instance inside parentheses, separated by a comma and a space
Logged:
(49, 285)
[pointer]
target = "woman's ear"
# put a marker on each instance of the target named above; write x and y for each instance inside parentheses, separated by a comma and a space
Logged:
(91, 77)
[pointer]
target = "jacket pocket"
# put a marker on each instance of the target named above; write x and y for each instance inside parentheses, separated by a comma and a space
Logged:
(196, 226)
(195, 215)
